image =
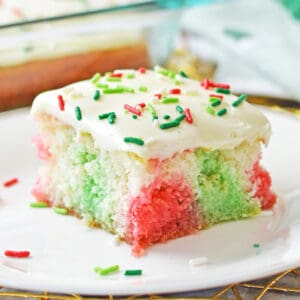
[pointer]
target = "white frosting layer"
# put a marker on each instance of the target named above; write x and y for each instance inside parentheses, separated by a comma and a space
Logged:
(241, 123)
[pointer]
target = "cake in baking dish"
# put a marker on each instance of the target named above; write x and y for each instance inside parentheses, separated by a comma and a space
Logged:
(151, 155)
(48, 55)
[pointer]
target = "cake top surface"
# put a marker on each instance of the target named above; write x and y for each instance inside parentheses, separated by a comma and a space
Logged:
(155, 114)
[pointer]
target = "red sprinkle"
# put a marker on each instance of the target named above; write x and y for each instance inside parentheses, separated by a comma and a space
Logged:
(205, 83)
(11, 182)
(132, 109)
(158, 96)
(61, 102)
(116, 75)
(175, 91)
(209, 84)
(188, 115)
(216, 96)
(142, 105)
(19, 254)
(142, 70)
(220, 85)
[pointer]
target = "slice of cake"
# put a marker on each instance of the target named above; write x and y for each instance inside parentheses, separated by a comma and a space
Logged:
(151, 155)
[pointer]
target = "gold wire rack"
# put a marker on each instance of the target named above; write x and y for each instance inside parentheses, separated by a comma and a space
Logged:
(231, 292)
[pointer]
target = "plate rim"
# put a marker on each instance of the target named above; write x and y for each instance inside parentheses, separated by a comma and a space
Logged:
(161, 288)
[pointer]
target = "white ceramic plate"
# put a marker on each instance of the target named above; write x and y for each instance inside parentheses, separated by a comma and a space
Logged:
(64, 251)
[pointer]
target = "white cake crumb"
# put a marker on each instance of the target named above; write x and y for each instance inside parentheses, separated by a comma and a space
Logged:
(198, 261)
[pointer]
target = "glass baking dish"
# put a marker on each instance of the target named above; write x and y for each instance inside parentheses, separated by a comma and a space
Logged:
(45, 53)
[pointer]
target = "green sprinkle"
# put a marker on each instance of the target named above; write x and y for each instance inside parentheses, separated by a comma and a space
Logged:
(212, 99)
(96, 95)
(116, 90)
(180, 118)
(210, 110)
(101, 85)
(166, 72)
(133, 272)
(172, 74)
(256, 245)
(105, 116)
(179, 109)
(222, 91)
(134, 117)
(60, 210)
(130, 76)
(107, 271)
(112, 118)
(183, 74)
(163, 72)
(168, 100)
(126, 89)
(215, 103)
(97, 270)
(113, 79)
(39, 205)
(155, 118)
(239, 100)
(95, 78)
(78, 113)
(134, 140)
(169, 125)
(166, 117)
(222, 112)
(151, 109)
(143, 89)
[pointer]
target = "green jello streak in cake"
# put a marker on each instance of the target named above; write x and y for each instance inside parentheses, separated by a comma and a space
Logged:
(221, 195)
(83, 178)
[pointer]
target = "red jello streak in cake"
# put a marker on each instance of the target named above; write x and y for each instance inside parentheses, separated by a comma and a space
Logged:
(262, 182)
(40, 193)
(163, 210)
(43, 150)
